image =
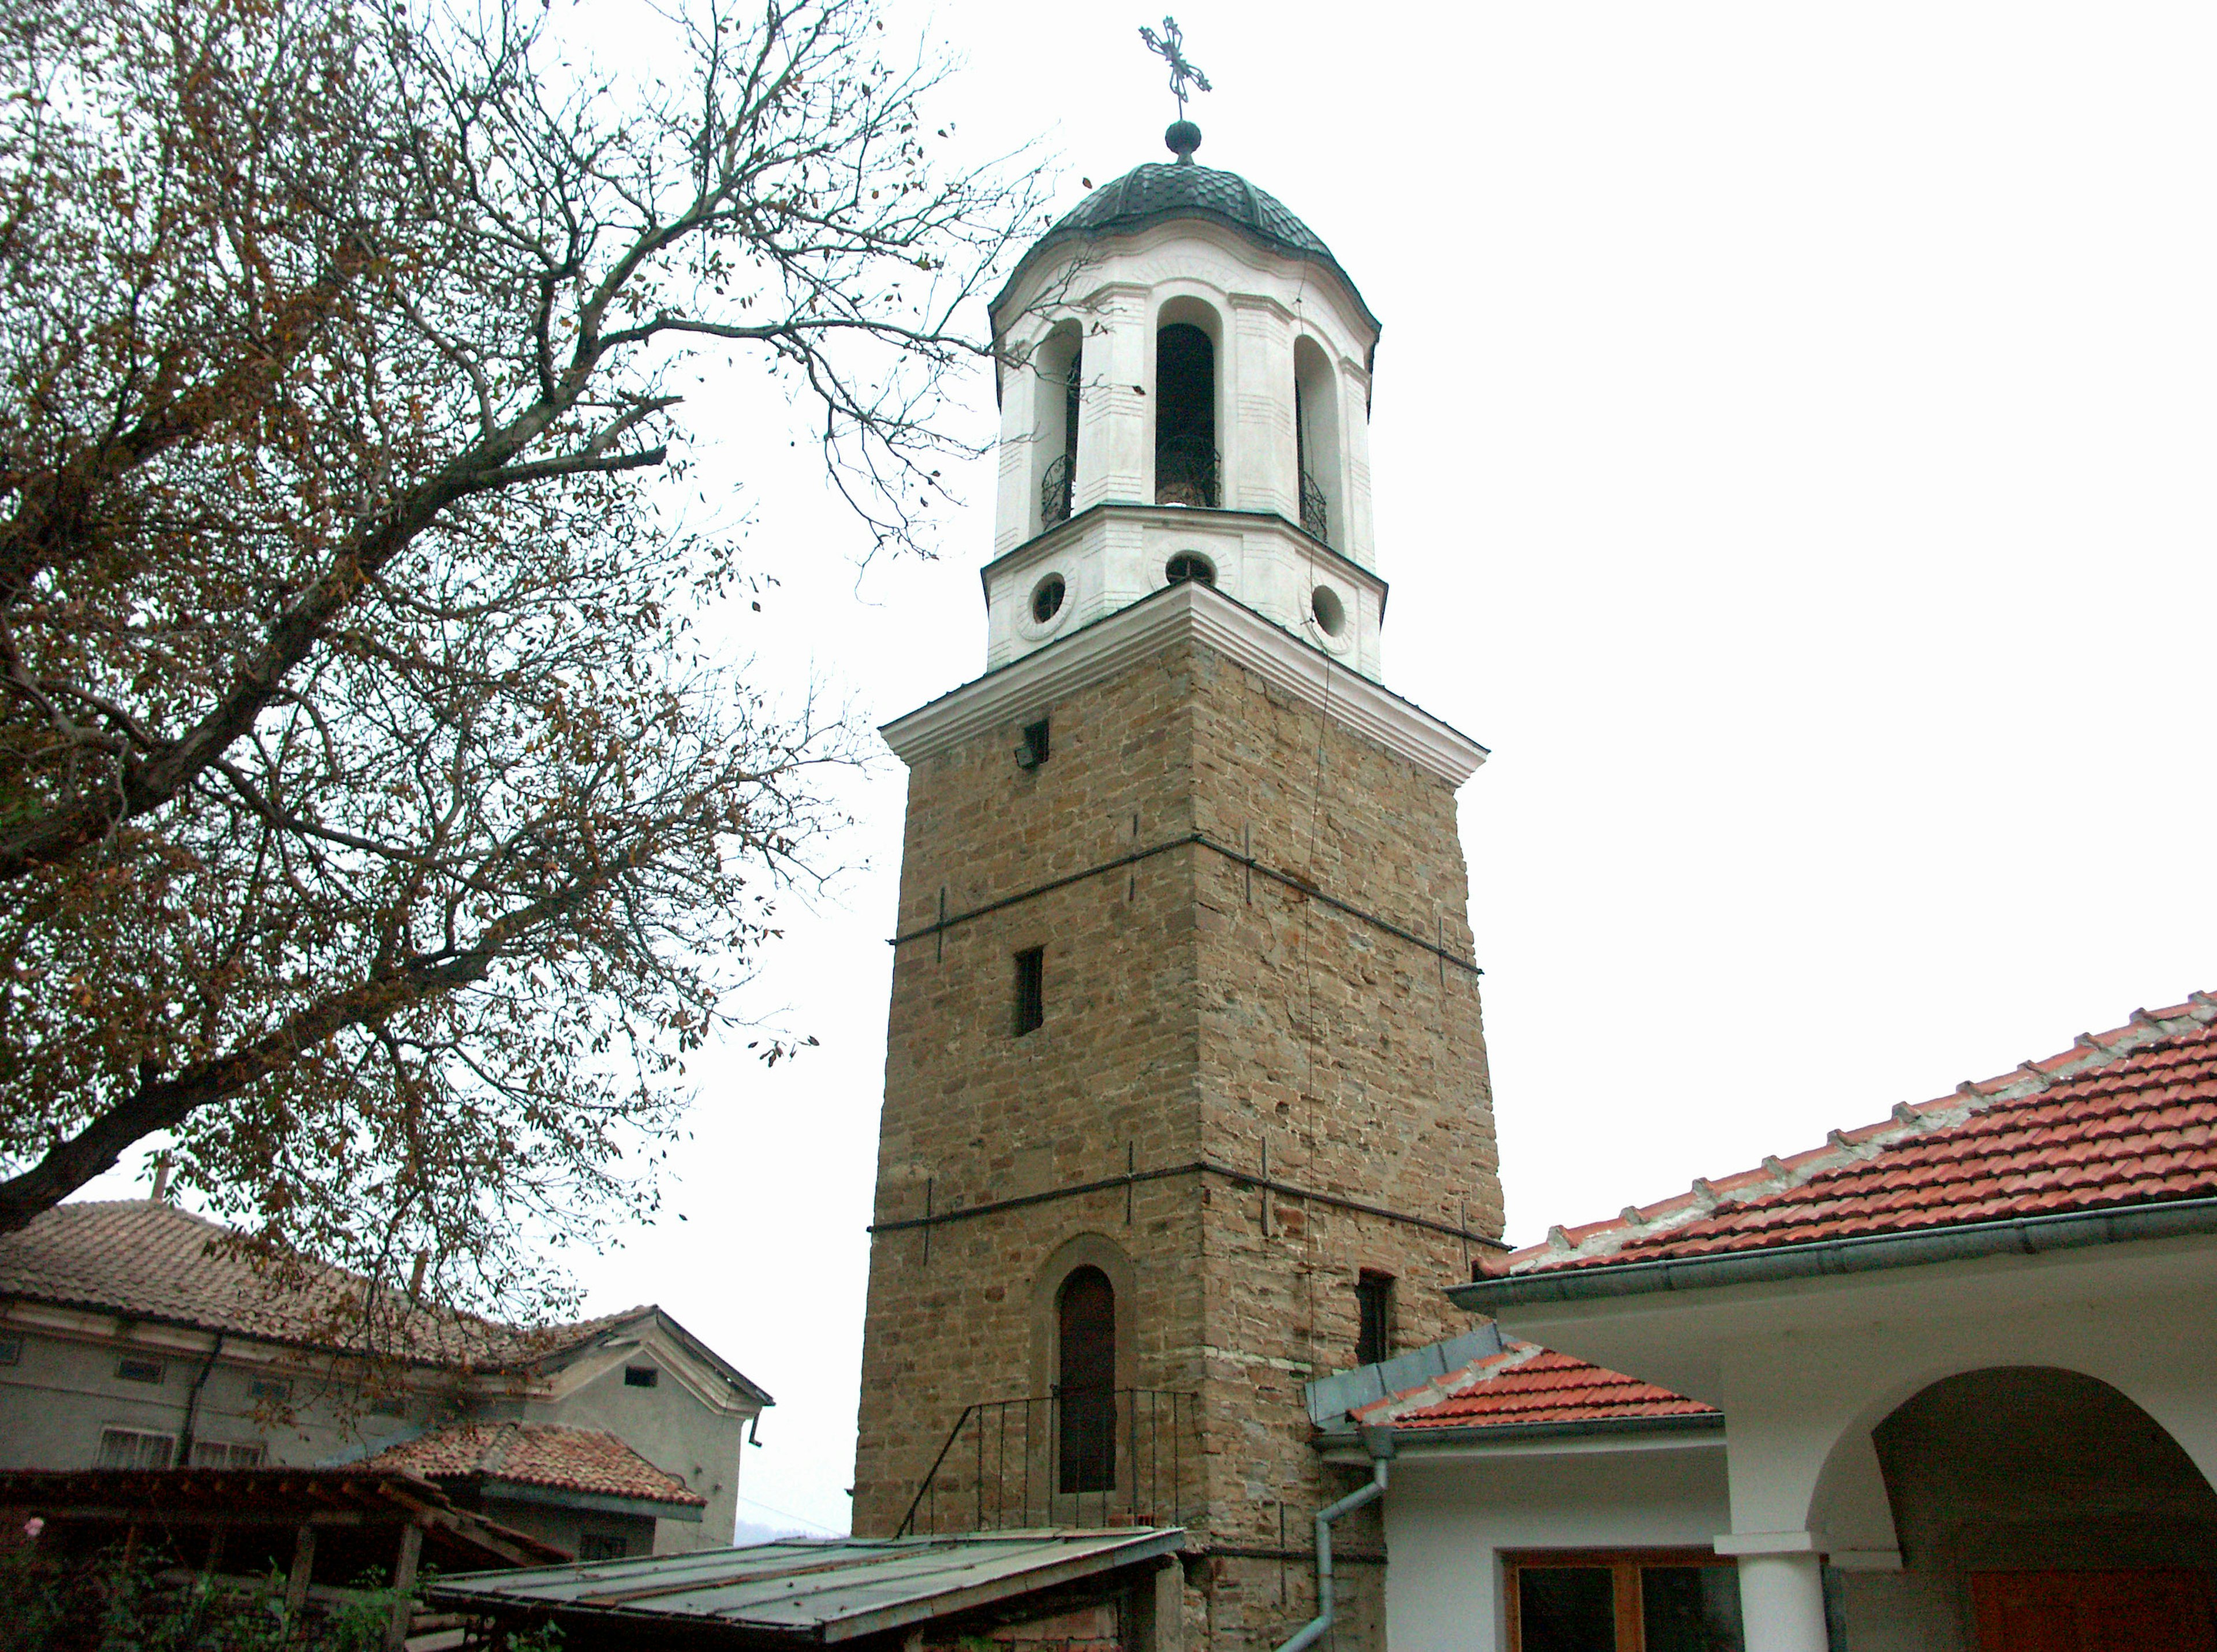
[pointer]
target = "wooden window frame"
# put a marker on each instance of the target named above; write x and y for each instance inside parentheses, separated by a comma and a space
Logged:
(1624, 1566)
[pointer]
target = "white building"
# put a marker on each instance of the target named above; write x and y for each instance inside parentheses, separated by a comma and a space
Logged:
(1946, 1381)
(131, 1338)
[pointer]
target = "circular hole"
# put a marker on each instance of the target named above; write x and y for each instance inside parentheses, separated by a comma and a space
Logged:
(1331, 613)
(1046, 599)
(1190, 565)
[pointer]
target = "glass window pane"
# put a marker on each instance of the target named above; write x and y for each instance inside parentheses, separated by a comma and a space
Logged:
(1566, 1609)
(1690, 1608)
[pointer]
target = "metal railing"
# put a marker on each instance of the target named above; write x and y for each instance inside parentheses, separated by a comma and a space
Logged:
(1054, 491)
(1316, 516)
(1112, 1458)
(1186, 471)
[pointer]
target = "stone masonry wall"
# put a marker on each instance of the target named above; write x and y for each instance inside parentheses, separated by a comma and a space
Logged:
(1194, 1012)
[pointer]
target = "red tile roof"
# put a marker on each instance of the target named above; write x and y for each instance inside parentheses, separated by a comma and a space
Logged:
(149, 1259)
(2125, 1117)
(538, 1454)
(1527, 1383)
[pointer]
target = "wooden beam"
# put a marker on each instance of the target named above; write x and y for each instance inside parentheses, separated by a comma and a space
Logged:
(403, 1585)
(304, 1566)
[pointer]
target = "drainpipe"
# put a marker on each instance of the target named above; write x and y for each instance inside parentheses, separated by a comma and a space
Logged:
(1378, 1442)
(193, 1404)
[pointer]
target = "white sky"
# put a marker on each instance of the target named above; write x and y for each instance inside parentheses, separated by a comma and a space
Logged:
(1792, 444)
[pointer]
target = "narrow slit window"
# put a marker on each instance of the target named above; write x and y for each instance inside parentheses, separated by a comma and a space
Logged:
(1373, 1302)
(1031, 989)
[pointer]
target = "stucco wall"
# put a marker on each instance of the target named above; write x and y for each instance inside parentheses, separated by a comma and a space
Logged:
(675, 1430)
(1448, 1522)
(63, 1391)
(1806, 1370)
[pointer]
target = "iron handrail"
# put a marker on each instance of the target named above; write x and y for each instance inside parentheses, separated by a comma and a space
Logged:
(1023, 1472)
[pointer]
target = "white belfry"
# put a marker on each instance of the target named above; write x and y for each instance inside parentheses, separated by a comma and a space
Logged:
(1216, 362)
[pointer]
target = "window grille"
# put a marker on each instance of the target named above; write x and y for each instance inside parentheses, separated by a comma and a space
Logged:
(269, 1391)
(138, 1368)
(134, 1448)
(1031, 989)
(602, 1545)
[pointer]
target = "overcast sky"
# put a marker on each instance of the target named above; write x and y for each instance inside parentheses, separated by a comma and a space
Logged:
(1792, 445)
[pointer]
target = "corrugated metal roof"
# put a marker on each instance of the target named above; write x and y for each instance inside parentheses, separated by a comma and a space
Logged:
(817, 1590)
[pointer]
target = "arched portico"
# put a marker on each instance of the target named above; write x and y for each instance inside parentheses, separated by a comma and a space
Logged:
(1977, 1507)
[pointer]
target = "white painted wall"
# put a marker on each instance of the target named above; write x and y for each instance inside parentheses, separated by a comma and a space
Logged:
(1806, 1370)
(1448, 1518)
(1255, 304)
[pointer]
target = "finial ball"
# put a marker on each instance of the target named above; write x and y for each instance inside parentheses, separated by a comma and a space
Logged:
(1184, 137)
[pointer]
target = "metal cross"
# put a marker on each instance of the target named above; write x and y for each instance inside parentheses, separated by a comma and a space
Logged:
(1171, 48)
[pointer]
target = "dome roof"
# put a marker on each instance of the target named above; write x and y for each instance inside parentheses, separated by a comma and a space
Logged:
(1158, 191)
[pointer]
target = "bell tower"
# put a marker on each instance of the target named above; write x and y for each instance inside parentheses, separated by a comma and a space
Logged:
(1186, 1093)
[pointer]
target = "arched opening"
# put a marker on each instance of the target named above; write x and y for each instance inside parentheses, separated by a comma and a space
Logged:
(1059, 369)
(1316, 440)
(1085, 1386)
(1187, 465)
(2034, 1507)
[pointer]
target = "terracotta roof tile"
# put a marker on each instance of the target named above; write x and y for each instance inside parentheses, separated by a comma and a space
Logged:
(2124, 1118)
(152, 1260)
(538, 1454)
(1526, 1383)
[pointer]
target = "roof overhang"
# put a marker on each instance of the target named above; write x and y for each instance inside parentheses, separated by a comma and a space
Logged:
(599, 1502)
(1862, 1253)
(1534, 1439)
(1189, 611)
(814, 1593)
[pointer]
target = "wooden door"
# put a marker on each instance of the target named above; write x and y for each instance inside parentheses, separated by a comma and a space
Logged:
(2093, 1611)
(1086, 1396)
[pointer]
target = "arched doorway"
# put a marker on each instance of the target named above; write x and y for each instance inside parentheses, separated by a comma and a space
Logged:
(2040, 1510)
(1085, 1386)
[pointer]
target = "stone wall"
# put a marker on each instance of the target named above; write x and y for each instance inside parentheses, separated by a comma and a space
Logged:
(1197, 1011)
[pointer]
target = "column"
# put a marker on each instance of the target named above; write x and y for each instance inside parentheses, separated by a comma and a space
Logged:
(1781, 1603)
(1115, 421)
(1257, 422)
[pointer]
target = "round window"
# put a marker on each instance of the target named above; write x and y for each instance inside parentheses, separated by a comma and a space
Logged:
(1190, 565)
(1046, 599)
(1331, 613)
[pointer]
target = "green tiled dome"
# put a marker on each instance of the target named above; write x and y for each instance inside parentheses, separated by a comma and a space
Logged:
(1159, 191)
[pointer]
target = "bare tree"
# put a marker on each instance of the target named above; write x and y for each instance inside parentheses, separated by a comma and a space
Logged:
(371, 821)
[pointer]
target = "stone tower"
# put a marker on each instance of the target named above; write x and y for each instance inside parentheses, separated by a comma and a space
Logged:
(1186, 1093)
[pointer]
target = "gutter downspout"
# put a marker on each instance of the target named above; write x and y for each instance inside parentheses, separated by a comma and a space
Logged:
(193, 1404)
(1378, 1442)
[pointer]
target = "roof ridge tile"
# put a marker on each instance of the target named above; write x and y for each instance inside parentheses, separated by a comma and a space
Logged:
(1976, 1110)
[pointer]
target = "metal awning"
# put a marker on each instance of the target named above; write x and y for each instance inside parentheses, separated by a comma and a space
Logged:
(813, 1591)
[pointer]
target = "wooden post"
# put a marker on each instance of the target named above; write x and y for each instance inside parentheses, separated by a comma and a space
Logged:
(296, 1581)
(404, 1580)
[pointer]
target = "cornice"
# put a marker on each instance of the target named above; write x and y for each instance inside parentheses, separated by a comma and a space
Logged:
(1188, 611)
(1183, 515)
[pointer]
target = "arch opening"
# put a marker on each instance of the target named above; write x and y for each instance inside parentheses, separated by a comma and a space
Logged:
(1059, 382)
(1187, 465)
(1085, 1386)
(2026, 1501)
(1317, 443)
